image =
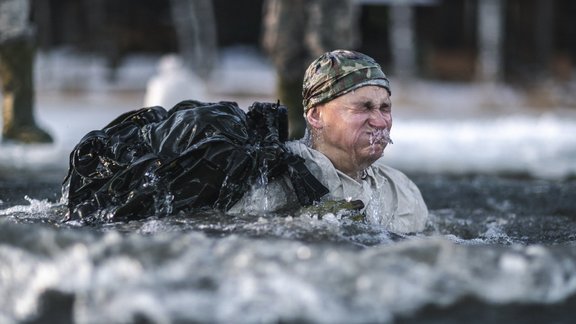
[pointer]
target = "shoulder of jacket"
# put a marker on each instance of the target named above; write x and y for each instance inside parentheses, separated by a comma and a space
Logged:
(380, 167)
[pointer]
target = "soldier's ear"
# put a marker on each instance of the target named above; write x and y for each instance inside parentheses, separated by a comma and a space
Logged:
(314, 118)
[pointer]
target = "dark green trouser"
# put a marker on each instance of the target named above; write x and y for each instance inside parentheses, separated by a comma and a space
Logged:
(16, 75)
(290, 95)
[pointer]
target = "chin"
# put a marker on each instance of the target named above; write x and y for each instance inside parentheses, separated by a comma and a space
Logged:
(377, 149)
(372, 155)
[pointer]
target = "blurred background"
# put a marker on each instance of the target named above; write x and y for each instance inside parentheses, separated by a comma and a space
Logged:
(479, 86)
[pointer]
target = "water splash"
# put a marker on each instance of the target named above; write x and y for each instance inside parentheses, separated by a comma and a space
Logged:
(381, 136)
(39, 208)
(494, 247)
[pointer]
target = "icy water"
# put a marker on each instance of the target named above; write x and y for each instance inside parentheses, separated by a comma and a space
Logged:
(497, 249)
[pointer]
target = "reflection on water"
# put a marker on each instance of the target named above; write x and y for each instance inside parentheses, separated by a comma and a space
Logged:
(494, 249)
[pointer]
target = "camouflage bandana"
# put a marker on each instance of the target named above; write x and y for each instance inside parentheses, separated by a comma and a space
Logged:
(338, 72)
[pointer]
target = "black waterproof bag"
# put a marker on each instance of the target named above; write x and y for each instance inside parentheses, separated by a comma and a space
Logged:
(153, 162)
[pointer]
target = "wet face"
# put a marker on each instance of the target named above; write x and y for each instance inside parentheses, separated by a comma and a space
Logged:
(351, 129)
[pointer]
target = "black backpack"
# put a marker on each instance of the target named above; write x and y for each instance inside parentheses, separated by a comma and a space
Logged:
(156, 162)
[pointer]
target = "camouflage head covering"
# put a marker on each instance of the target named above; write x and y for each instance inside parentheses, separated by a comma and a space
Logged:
(338, 72)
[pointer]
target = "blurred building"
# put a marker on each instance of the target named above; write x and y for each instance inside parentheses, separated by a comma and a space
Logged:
(517, 41)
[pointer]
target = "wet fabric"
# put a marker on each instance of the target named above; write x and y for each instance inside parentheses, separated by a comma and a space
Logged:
(389, 197)
(153, 162)
(338, 72)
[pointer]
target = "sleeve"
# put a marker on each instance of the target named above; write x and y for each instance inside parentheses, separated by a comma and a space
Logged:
(412, 212)
(275, 196)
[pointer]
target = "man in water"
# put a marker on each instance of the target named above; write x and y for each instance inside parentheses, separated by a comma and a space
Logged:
(348, 112)
(209, 154)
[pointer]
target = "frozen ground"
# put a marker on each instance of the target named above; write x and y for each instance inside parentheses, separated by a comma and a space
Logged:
(438, 127)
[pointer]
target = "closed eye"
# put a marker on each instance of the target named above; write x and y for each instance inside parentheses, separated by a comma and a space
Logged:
(387, 107)
(370, 106)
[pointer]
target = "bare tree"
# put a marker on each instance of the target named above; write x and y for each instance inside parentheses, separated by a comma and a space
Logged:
(490, 31)
(402, 40)
(196, 31)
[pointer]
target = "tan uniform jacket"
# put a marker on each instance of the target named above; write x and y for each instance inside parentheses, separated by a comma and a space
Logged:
(390, 198)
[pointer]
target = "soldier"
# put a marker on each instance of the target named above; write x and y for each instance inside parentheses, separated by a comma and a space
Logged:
(16, 74)
(211, 154)
(296, 32)
(348, 111)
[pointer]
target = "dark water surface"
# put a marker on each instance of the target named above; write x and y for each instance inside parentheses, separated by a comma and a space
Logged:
(497, 249)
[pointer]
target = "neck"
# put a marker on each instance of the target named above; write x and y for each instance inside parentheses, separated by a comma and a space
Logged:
(343, 162)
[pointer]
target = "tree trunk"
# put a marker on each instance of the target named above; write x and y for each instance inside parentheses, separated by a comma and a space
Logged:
(196, 31)
(490, 32)
(402, 41)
